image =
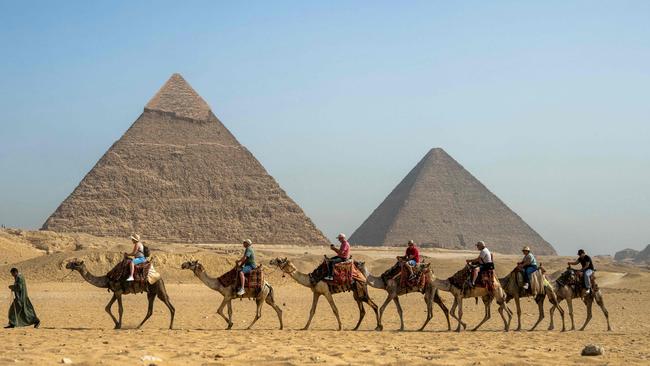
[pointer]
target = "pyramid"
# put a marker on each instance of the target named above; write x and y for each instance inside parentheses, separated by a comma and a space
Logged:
(178, 174)
(441, 204)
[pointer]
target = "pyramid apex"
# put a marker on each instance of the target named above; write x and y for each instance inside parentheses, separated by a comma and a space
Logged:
(177, 96)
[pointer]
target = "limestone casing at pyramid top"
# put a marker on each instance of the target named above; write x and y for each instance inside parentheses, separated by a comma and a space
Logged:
(178, 97)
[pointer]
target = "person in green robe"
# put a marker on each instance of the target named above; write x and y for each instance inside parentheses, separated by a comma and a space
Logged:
(21, 312)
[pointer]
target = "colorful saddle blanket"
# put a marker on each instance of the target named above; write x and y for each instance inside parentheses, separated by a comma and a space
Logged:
(462, 279)
(122, 270)
(421, 275)
(254, 279)
(343, 274)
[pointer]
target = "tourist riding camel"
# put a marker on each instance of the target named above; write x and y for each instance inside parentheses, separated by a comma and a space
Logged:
(137, 253)
(528, 266)
(410, 259)
(587, 268)
(247, 264)
(481, 263)
(342, 255)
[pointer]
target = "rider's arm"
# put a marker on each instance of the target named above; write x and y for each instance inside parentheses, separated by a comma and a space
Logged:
(335, 249)
(573, 263)
(135, 250)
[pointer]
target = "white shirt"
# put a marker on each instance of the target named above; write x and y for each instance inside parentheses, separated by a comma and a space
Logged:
(485, 256)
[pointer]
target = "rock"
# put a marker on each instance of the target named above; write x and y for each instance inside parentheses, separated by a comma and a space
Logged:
(592, 350)
(147, 358)
(66, 361)
(625, 254)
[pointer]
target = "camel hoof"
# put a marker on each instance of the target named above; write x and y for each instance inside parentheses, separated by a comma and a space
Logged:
(551, 328)
(379, 328)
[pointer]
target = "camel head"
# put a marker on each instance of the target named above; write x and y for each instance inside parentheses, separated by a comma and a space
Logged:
(284, 264)
(362, 267)
(75, 264)
(192, 265)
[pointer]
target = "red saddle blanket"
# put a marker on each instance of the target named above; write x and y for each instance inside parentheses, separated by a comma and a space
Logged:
(122, 271)
(254, 279)
(421, 275)
(343, 274)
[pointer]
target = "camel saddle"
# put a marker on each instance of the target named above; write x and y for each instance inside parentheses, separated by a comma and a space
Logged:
(421, 275)
(575, 279)
(343, 274)
(122, 270)
(462, 279)
(254, 279)
(537, 281)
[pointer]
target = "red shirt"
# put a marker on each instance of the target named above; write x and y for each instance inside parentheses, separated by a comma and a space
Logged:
(414, 252)
(344, 251)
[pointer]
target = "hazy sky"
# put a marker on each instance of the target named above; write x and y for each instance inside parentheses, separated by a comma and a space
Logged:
(547, 103)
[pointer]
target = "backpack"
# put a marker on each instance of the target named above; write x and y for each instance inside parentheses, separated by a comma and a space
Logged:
(146, 251)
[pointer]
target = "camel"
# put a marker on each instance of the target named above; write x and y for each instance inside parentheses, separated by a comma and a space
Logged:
(229, 293)
(565, 291)
(153, 291)
(394, 290)
(459, 294)
(512, 285)
(321, 288)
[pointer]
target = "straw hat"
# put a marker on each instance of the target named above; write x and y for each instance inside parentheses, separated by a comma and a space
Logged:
(482, 243)
(525, 249)
(411, 242)
(135, 237)
(248, 241)
(341, 235)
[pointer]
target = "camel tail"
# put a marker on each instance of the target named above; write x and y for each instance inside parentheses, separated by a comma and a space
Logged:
(270, 291)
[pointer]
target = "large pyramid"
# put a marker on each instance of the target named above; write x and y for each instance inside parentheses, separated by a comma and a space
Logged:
(441, 204)
(178, 174)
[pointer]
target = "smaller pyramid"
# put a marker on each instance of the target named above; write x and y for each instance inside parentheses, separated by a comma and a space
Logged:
(441, 204)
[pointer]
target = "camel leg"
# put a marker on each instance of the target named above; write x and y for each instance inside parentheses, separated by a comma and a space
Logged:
(151, 297)
(589, 301)
(229, 306)
(120, 311)
(314, 302)
(374, 307)
(220, 312)
(540, 306)
(362, 313)
(502, 308)
(162, 295)
(108, 310)
(335, 310)
(438, 300)
(400, 312)
(452, 312)
(518, 306)
(271, 301)
(429, 301)
(486, 304)
(569, 304)
(459, 302)
(258, 311)
(599, 300)
(389, 298)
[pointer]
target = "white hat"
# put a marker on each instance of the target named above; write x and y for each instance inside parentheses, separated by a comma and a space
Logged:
(341, 235)
(248, 241)
(135, 237)
(411, 242)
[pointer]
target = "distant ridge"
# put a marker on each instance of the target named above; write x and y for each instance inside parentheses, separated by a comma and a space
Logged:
(441, 204)
(178, 174)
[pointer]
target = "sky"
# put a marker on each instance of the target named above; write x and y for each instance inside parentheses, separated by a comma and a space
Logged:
(546, 103)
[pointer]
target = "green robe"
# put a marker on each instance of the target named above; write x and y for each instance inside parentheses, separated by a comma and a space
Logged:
(21, 312)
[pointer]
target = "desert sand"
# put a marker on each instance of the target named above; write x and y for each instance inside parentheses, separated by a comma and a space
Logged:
(75, 325)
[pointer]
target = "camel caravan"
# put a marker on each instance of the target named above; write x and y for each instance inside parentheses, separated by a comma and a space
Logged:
(135, 274)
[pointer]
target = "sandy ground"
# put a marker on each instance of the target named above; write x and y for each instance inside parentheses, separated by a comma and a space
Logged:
(74, 324)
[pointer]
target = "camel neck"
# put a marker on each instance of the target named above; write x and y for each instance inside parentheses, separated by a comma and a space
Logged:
(443, 285)
(211, 282)
(101, 282)
(375, 282)
(301, 278)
